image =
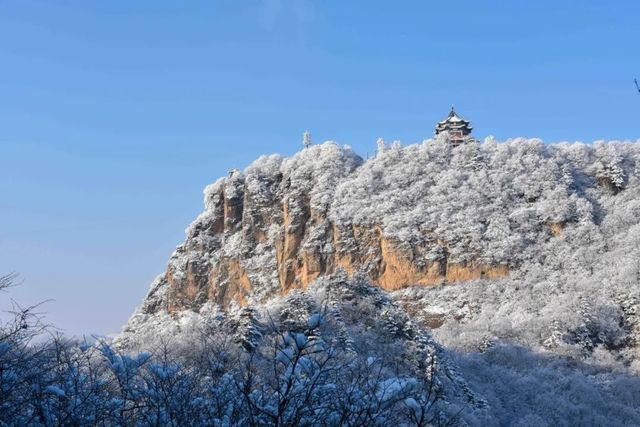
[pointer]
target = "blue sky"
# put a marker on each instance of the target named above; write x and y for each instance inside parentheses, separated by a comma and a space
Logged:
(115, 115)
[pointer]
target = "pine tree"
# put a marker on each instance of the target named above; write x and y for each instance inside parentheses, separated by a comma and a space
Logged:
(249, 330)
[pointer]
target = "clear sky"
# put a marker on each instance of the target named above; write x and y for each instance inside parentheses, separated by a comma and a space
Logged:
(114, 115)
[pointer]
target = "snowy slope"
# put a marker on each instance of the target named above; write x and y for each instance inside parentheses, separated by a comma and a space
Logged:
(513, 256)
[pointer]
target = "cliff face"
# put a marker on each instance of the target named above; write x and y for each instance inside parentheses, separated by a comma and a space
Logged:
(296, 244)
(282, 223)
(421, 215)
(538, 246)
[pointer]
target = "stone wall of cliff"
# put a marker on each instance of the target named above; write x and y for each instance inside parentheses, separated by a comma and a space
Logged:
(420, 215)
(244, 239)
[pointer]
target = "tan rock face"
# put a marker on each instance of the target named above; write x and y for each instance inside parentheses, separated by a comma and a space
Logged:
(398, 270)
(299, 245)
(555, 228)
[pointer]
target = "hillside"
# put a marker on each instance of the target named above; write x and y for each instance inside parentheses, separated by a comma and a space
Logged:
(514, 256)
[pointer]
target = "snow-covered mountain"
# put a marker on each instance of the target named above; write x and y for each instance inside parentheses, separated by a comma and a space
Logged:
(511, 270)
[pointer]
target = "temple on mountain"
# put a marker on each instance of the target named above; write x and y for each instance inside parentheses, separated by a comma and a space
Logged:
(457, 128)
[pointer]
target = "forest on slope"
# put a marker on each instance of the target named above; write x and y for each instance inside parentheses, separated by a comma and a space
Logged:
(558, 221)
(488, 284)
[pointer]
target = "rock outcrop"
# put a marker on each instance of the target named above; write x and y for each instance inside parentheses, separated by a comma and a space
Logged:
(520, 253)
(271, 229)
(289, 231)
(422, 215)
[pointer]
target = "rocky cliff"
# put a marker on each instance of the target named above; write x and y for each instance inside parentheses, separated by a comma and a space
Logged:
(422, 215)
(486, 261)
(285, 222)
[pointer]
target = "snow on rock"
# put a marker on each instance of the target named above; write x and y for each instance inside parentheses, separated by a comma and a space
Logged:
(424, 214)
(494, 255)
(528, 225)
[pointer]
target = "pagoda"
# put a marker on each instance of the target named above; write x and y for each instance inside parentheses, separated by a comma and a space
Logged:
(458, 128)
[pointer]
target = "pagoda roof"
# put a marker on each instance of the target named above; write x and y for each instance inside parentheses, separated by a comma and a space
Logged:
(454, 119)
(449, 125)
